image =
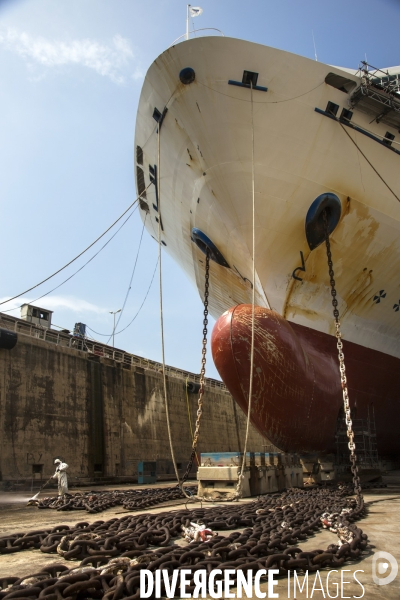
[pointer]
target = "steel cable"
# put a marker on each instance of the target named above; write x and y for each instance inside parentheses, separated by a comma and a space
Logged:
(262, 102)
(138, 311)
(130, 282)
(76, 257)
(87, 262)
(369, 162)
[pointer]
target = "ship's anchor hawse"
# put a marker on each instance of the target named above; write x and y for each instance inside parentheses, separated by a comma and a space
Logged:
(328, 205)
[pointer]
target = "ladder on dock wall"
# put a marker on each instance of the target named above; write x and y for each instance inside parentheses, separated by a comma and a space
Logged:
(365, 440)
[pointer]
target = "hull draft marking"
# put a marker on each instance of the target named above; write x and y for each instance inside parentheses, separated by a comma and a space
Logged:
(379, 296)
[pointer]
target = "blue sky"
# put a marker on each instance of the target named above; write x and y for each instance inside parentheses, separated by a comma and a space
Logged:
(71, 73)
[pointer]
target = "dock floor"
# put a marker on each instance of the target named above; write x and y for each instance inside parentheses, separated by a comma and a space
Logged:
(382, 525)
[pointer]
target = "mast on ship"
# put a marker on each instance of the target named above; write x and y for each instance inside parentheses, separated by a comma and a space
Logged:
(192, 11)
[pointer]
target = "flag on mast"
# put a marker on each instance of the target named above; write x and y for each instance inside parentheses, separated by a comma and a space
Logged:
(195, 11)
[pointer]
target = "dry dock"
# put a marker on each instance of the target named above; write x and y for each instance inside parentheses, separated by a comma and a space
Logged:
(101, 410)
(381, 525)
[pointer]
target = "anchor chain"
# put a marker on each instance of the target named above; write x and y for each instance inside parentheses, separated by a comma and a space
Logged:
(264, 534)
(343, 378)
(202, 371)
(98, 501)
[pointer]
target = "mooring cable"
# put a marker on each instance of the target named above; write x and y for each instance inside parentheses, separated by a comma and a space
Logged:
(261, 102)
(76, 257)
(369, 162)
(161, 307)
(239, 488)
(130, 281)
(166, 401)
(83, 266)
(137, 312)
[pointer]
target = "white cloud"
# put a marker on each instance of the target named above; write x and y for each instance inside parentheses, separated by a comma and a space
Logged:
(112, 60)
(71, 303)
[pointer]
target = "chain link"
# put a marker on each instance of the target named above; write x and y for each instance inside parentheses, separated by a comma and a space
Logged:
(202, 371)
(343, 378)
(262, 534)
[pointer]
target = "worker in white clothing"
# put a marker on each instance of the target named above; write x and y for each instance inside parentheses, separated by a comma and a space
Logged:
(61, 475)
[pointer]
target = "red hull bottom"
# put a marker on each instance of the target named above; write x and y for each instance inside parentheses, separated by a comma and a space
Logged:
(297, 396)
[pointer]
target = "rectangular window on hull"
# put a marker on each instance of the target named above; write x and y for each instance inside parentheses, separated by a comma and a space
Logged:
(389, 137)
(332, 108)
(140, 182)
(250, 77)
(139, 155)
(346, 115)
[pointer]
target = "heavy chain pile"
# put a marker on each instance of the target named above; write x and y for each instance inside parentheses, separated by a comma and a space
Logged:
(112, 553)
(94, 502)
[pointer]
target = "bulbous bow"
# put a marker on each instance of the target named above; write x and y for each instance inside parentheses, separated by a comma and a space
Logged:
(296, 395)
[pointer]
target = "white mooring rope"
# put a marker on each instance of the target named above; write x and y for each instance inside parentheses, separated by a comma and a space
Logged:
(238, 492)
(239, 487)
(161, 306)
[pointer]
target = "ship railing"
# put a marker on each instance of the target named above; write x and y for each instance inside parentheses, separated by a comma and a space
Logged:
(183, 36)
(378, 94)
(372, 76)
(96, 349)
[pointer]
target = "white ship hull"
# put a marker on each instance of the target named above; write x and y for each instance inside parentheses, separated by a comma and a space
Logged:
(205, 170)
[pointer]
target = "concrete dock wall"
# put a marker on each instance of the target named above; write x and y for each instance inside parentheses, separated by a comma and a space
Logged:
(101, 416)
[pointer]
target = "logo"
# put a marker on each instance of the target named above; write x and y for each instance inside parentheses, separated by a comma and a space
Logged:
(381, 563)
